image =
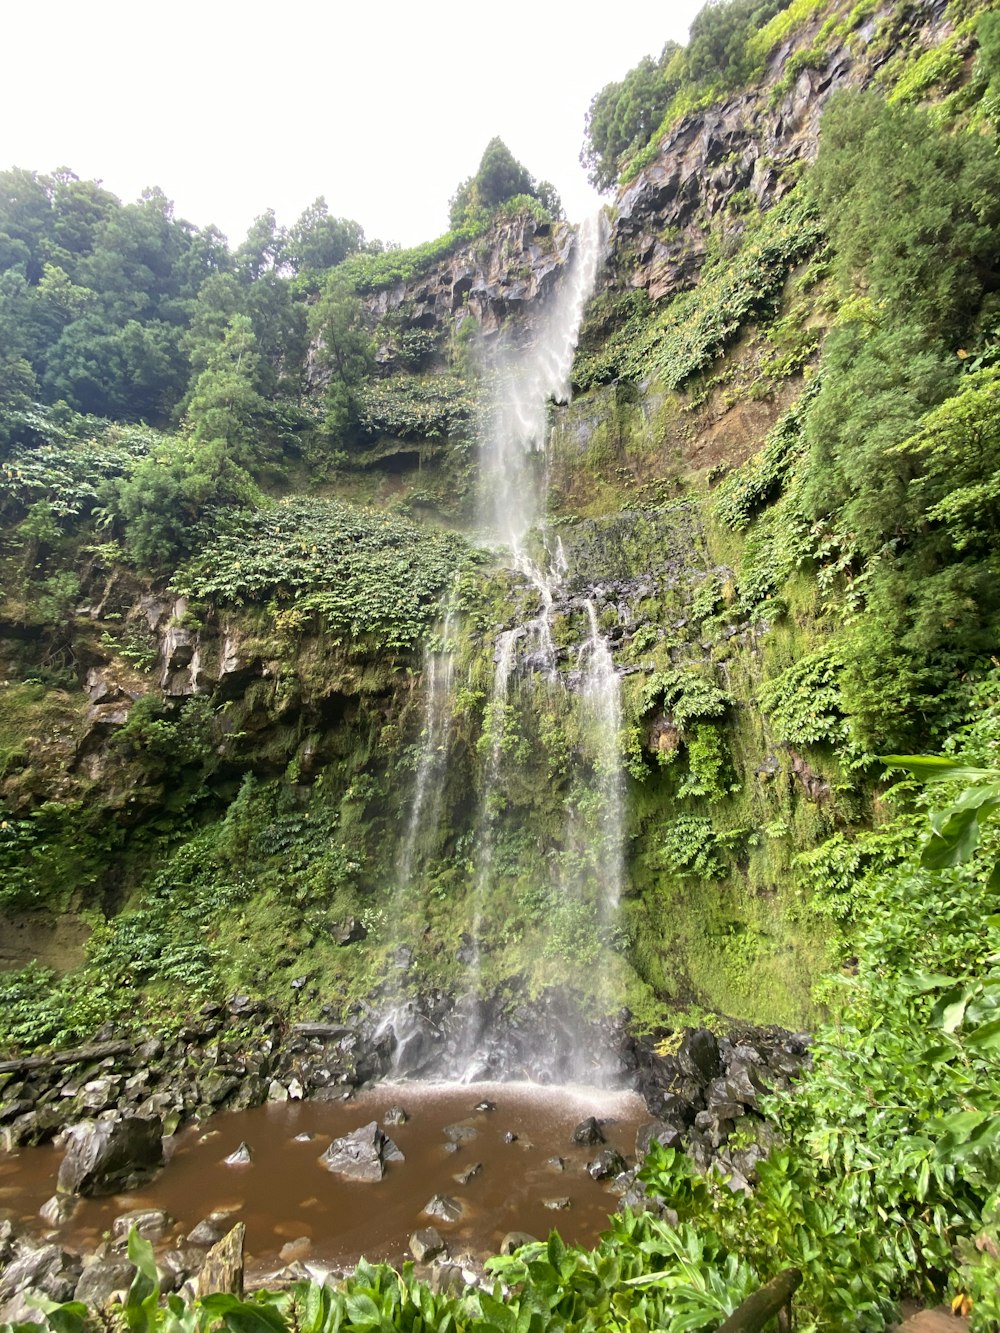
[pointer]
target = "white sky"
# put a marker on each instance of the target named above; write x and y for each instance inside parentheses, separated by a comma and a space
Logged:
(232, 107)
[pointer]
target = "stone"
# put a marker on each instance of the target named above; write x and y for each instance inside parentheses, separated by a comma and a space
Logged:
(485, 1106)
(150, 1223)
(514, 1240)
(657, 1131)
(48, 1269)
(103, 1156)
(223, 1267)
(443, 1206)
(606, 1164)
(510, 1137)
(295, 1090)
(102, 1280)
(699, 1055)
(348, 931)
(460, 1133)
(588, 1132)
(295, 1250)
(59, 1209)
(427, 1244)
(556, 1163)
(470, 1172)
(210, 1229)
(276, 1091)
(241, 1156)
(395, 1115)
(362, 1154)
(557, 1205)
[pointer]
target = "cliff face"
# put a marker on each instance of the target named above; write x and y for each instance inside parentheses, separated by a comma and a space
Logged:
(751, 145)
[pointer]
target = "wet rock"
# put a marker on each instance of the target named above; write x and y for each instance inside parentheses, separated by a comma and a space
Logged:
(556, 1163)
(699, 1055)
(223, 1267)
(443, 1206)
(510, 1137)
(485, 1106)
(657, 1131)
(103, 1156)
(305, 1137)
(588, 1132)
(295, 1250)
(460, 1133)
(558, 1205)
(349, 931)
(427, 1244)
(241, 1156)
(211, 1229)
(59, 1209)
(395, 1115)
(276, 1091)
(470, 1173)
(48, 1269)
(150, 1223)
(362, 1154)
(514, 1240)
(181, 1264)
(102, 1280)
(606, 1164)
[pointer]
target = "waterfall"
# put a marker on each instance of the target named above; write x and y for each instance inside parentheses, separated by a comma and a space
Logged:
(428, 786)
(526, 377)
(603, 696)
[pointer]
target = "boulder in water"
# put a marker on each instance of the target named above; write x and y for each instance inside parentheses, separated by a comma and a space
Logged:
(588, 1132)
(241, 1156)
(105, 1156)
(606, 1164)
(427, 1244)
(223, 1267)
(362, 1154)
(443, 1206)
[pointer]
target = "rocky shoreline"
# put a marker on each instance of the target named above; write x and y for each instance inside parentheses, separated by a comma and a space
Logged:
(113, 1103)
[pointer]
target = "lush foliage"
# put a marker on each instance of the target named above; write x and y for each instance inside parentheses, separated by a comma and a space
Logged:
(363, 571)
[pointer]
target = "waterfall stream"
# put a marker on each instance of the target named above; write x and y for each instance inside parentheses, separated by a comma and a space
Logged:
(536, 682)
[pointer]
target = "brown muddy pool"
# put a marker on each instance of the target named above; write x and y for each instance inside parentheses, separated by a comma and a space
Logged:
(286, 1195)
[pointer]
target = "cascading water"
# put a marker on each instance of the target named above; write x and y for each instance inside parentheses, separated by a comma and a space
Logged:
(428, 786)
(602, 695)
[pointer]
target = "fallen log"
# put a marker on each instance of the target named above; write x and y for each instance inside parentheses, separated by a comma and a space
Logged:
(78, 1056)
(770, 1300)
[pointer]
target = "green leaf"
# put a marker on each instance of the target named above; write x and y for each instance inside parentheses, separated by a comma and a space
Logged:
(985, 1038)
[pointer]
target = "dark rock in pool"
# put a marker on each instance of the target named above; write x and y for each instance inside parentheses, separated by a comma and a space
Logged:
(588, 1132)
(150, 1223)
(606, 1164)
(556, 1163)
(470, 1172)
(510, 1137)
(211, 1229)
(427, 1244)
(460, 1133)
(241, 1156)
(443, 1206)
(485, 1106)
(514, 1240)
(557, 1205)
(362, 1154)
(105, 1156)
(59, 1209)
(396, 1115)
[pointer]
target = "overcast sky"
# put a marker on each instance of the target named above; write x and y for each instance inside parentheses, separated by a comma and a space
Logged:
(381, 106)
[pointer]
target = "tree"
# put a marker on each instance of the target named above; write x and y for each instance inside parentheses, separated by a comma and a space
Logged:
(500, 177)
(172, 488)
(717, 50)
(344, 350)
(623, 116)
(224, 403)
(318, 241)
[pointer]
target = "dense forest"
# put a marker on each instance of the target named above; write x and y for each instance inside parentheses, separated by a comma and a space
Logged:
(241, 494)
